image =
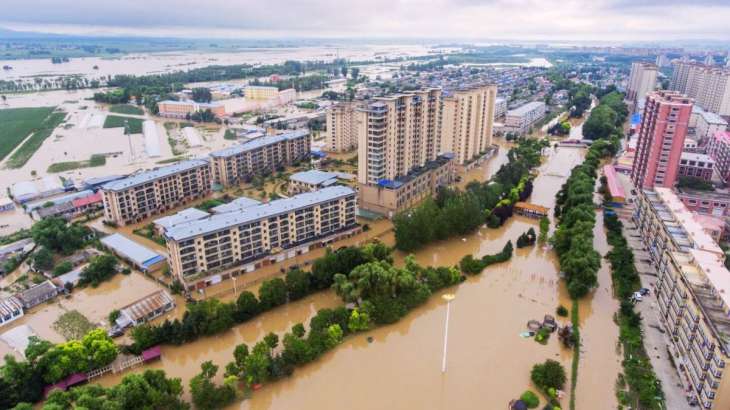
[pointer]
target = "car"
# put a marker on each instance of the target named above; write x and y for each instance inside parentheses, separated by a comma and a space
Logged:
(644, 291)
(636, 297)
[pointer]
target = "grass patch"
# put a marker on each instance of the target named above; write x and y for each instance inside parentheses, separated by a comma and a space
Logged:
(96, 160)
(17, 123)
(31, 145)
(210, 203)
(173, 159)
(126, 109)
(574, 319)
(73, 325)
(230, 135)
(115, 121)
(148, 231)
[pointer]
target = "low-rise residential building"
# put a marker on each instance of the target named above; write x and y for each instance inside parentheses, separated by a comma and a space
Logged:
(148, 193)
(17, 249)
(707, 124)
(182, 109)
(692, 292)
(696, 165)
(37, 294)
(143, 310)
(705, 202)
(261, 92)
(241, 162)
(389, 197)
(89, 202)
(10, 309)
(312, 180)
(141, 257)
(719, 149)
(228, 244)
(521, 119)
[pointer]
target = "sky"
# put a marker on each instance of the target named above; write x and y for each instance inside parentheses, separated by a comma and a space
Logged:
(533, 20)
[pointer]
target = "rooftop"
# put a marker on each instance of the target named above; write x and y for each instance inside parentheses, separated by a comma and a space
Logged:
(524, 109)
(235, 205)
(186, 215)
(694, 156)
(253, 213)
(153, 174)
(313, 177)
(258, 143)
(140, 255)
(693, 230)
(139, 310)
(614, 186)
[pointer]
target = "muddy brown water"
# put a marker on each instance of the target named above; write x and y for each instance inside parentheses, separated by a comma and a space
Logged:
(488, 362)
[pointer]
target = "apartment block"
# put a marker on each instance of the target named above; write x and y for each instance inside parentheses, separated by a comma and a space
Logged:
(500, 107)
(661, 137)
(140, 196)
(522, 118)
(693, 295)
(397, 134)
(642, 81)
(467, 122)
(719, 149)
(692, 164)
(709, 86)
(181, 109)
(260, 234)
(241, 162)
(341, 135)
(706, 124)
(260, 92)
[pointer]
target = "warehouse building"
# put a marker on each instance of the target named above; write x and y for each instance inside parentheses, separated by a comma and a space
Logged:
(141, 257)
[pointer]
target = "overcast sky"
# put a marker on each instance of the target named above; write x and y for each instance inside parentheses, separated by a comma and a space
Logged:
(575, 20)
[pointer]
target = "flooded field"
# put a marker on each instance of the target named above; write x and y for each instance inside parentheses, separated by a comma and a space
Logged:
(488, 362)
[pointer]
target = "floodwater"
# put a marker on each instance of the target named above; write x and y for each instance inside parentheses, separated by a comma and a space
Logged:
(488, 362)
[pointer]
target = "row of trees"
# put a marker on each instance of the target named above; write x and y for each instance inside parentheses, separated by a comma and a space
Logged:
(644, 389)
(574, 207)
(212, 316)
(607, 118)
(22, 381)
(454, 212)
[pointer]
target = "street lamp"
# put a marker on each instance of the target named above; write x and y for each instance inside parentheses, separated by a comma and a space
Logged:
(234, 287)
(448, 298)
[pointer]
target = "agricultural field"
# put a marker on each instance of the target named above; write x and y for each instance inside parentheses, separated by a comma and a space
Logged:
(126, 109)
(115, 121)
(23, 154)
(96, 160)
(17, 123)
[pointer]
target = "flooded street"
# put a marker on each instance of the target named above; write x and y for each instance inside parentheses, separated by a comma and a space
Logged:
(488, 362)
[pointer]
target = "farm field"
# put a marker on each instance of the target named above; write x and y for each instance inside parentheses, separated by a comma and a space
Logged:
(126, 109)
(31, 145)
(115, 121)
(17, 123)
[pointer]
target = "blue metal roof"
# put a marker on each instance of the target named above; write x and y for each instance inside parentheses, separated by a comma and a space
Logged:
(131, 250)
(389, 183)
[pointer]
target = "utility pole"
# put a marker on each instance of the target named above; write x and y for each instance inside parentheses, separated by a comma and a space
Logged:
(448, 298)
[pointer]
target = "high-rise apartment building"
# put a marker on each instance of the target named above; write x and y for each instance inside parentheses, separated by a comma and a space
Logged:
(241, 162)
(467, 121)
(132, 199)
(641, 81)
(692, 293)
(239, 241)
(398, 134)
(709, 86)
(718, 148)
(341, 134)
(661, 139)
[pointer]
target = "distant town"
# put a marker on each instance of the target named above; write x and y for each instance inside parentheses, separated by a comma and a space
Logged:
(210, 225)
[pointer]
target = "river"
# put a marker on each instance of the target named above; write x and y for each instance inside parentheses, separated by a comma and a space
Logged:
(488, 362)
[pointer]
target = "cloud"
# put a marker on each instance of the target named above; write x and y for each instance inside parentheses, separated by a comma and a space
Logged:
(591, 20)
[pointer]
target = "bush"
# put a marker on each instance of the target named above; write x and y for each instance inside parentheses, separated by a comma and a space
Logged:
(530, 399)
(562, 311)
(61, 268)
(548, 375)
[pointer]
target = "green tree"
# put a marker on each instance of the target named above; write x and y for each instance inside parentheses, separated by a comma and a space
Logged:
(298, 284)
(549, 374)
(42, 259)
(57, 235)
(99, 269)
(202, 95)
(247, 306)
(206, 394)
(272, 293)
